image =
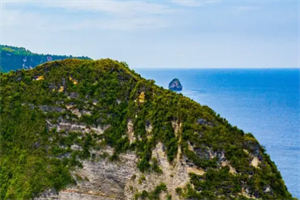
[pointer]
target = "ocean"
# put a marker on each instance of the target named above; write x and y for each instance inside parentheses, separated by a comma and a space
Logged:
(264, 102)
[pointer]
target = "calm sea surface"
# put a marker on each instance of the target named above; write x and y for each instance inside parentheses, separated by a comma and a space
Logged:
(265, 102)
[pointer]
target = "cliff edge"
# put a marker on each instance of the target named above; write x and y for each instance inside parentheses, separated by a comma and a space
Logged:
(81, 129)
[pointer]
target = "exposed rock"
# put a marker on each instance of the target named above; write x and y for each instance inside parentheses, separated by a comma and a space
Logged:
(255, 162)
(148, 127)
(254, 148)
(76, 147)
(190, 147)
(202, 121)
(86, 112)
(73, 95)
(61, 89)
(173, 175)
(46, 108)
(141, 98)
(196, 171)
(246, 193)
(73, 127)
(175, 85)
(220, 155)
(50, 194)
(39, 78)
(231, 169)
(176, 126)
(130, 131)
(202, 153)
(101, 180)
(267, 189)
(76, 111)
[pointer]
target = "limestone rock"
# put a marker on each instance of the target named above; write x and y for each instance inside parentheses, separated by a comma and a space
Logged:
(175, 85)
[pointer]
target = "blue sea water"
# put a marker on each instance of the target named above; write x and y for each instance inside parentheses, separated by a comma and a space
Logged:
(265, 102)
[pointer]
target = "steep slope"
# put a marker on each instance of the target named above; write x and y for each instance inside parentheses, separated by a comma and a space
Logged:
(80, 129)
(14, 58)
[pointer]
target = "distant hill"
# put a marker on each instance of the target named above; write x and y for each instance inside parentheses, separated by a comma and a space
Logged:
(14, 58)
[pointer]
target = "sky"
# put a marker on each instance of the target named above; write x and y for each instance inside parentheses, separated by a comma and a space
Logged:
(159, 33)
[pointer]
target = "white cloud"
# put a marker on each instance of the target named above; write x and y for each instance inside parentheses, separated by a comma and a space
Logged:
(194, 3)
(119, 15)
(108, 6)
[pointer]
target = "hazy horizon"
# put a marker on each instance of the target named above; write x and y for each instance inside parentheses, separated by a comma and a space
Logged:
(159, 34)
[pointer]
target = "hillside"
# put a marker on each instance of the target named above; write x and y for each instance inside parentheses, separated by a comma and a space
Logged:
(81, 129)
(14, 58)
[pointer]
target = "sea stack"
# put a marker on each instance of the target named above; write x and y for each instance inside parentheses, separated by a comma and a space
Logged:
(175, 85)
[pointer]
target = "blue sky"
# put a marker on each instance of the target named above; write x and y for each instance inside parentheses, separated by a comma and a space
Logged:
(159, 33)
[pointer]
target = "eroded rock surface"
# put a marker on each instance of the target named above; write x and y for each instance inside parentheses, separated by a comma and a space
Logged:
(98, 180)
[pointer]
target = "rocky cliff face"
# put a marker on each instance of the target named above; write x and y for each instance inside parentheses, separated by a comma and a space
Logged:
(96, 130)
(99, 179)
(103, 179)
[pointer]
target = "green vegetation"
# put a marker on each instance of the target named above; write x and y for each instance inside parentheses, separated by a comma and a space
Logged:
(15, 58)
(36, 154)
(154, 195)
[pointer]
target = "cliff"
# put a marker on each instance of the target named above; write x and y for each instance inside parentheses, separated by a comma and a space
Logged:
(81, 129)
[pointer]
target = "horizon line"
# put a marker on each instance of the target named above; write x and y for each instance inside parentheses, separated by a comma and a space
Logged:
(192, 68)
